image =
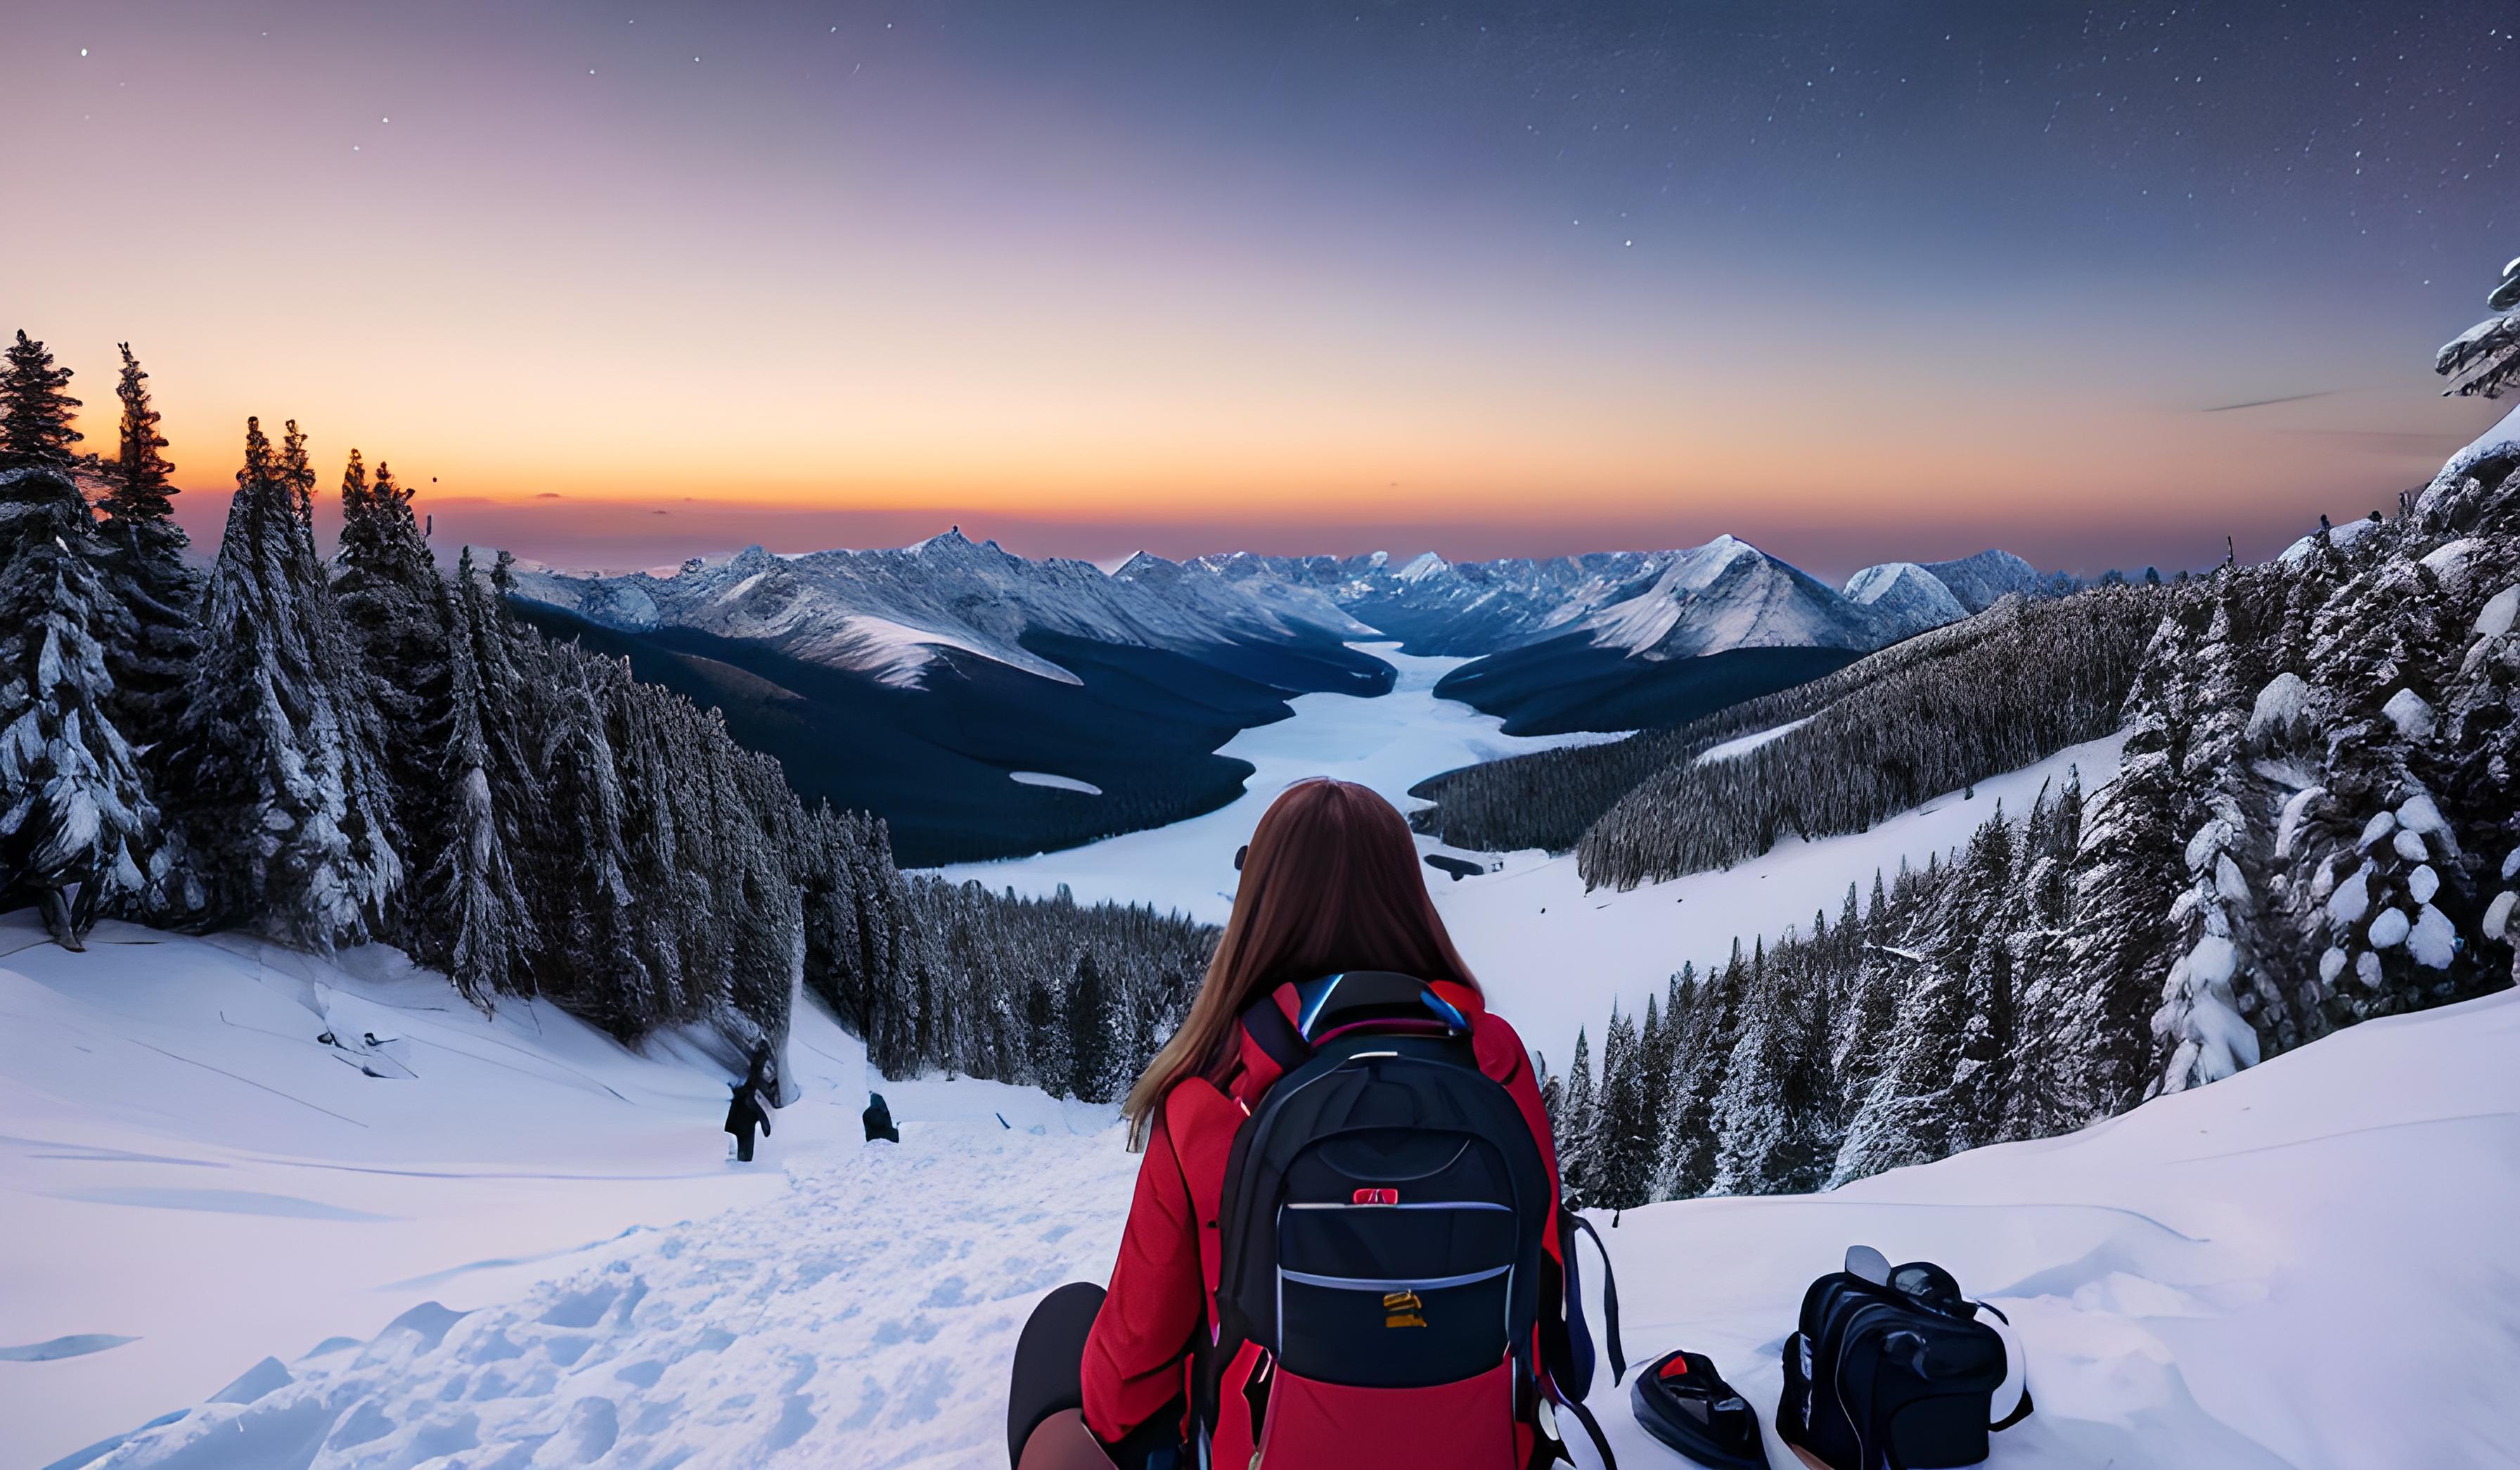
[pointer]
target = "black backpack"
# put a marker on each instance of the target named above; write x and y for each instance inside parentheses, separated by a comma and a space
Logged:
(1899, 1373)
(1381, 1232)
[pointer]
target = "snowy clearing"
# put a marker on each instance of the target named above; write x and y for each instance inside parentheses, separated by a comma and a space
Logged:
(1554, 958)
(1058, 782)
(2186, 1280)
(1742, 745)
(1389, 743)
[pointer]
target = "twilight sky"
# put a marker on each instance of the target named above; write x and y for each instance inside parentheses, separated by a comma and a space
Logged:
(1856, 280)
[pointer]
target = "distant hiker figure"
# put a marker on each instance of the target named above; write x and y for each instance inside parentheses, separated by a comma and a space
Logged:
(1347, 1246)
(749, 1107)
(878, 1120)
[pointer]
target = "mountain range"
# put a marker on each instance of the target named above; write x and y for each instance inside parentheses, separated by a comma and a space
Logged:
(987, 704)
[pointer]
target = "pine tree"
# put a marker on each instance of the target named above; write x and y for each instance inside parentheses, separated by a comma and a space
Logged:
(2095, 1017)
(1771, 1115)
(2220, 994)
(470, 920)
(397, 610)
(1578, 1168)
(1623, 1145)
(35, 410)
(288, 814)
(149, 575)
(76, 823)
(1052, 1070)
(1089, 1032)
(1693, 1135)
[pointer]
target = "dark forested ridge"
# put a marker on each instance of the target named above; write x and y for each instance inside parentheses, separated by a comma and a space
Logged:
(330, 752)
(2312, 824)
(1930, 715)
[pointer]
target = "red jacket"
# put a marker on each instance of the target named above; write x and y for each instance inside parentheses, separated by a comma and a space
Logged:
(1137, 1359)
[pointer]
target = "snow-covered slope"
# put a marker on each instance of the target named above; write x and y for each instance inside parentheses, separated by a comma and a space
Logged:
(2301, 1266)
(2304, 1266)
(190, 1177)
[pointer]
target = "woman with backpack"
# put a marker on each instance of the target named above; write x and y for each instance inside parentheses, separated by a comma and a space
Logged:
(1346, 1244)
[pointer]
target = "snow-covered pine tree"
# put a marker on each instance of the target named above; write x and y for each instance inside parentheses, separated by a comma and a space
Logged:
(1578, 1162)
(585, 902)
(396, 607)
(2486, 357)
(1621, 1147)
(1714, 1029)
(2039, 929)
(1052, 1070)
(2373, 833)
(2093, 1015)
(2482, 726)
(467, 915)
(1771, 1113)
(1655, 1048)
(76, 823)
(1683, 1037)
(2222, 991)
(35, 410)
(148, 574)
(284, 798)
(1934, 1086)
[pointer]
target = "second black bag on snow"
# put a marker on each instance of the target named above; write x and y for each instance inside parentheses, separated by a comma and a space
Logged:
(1894, 1367)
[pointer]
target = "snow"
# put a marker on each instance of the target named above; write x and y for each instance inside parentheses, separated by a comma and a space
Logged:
(1058, 782)
(2278, 706)
(2352, 898)
(2340, 536)
(2432, 940)
(2419, 813)
(1729, 594)
(1913, 598)
(2496, 618)
(898, 654)
(1426, 565)
(188, 1168)
(2408, 711)
(1741, 746)
(2182, 1279)
(2423, 883)
(2502, 438)
(1389, 743)
(2497, 914)
(2184, 1276)
(2389, 927)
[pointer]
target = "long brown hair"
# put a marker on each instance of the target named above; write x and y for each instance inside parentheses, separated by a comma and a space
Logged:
(1331, 882)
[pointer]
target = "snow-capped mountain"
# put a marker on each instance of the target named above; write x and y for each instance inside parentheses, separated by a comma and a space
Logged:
(890, 614)
(1708, 627)
(982, 703)
(1982, 580)
(1463, 608)
(990, 704)
(1907, 595)
(1578, 642)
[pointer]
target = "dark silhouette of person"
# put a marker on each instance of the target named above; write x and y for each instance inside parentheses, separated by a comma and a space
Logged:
(878, 1120)
(749, 1106)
